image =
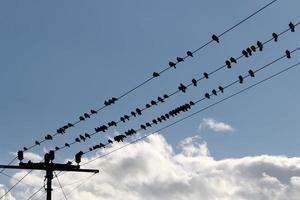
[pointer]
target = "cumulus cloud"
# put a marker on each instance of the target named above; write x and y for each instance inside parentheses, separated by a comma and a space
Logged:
(3, 190)
(152, 170)
(215, 125)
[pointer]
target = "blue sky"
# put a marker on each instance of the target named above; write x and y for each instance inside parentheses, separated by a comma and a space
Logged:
(60, 59)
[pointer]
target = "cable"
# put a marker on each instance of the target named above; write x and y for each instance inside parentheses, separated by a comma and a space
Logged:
(60, 186)
(197, 112)
(112, 100)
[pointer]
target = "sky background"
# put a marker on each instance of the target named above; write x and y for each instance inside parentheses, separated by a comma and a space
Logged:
(60, 59)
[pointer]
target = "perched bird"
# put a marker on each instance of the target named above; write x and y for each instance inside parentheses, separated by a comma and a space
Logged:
(82, 137)
(179, 59)
(155, 74)
(143, 127)
(275, 37)
(122, 119)
(292, 26)
(221, 89)
(77, 140)
(205, 75)
(147, 105)
(153, 103)
(260, 45)
(245, 53)
(56, 149)
(70, 125)
(138, 111)
(214, 92)
(48, 137)
(166, 96)
(163, 117)
(253, 48)
(93, 112)
(241, 79)
(109, 141)
(194, 82)
(154, 121)
(148, 124)
(189, 53)
(227, 62)
(251, 73)
(249, 51)
(87, 135)
(126, 117)
(288, 54)
(171, 64)
(192, 103)
(67, 145)
(159, 120)
(207, 95)
(37, 142)
(182, 88)
(133, 114)
(215, 38)
(106, 103)
(86, 115)
(160, 99)
(25, 148)
(102, 145)
(81, 118)
(233, 60)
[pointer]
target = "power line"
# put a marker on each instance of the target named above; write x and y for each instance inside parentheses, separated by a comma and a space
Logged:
(60, 186)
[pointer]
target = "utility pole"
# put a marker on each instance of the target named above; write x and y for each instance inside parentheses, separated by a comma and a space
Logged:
(49, 167)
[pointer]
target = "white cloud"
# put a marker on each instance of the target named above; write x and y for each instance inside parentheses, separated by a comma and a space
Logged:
(215, 125)
(152, 170)
(3, 190)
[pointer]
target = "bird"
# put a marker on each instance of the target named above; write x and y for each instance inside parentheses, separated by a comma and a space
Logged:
(153, 103)
(171, 64)
(77, 140)
(87, 135)
(249, 51)
(194, 82)
(93, 112)
(221, 89)
(81, 118)
(233, 60)
(148, 124)
(138, 111)
(192, 103)
(106, 103)
(207, 95)
(275, 37)
(122, 119)
(70, 125)
(102, 145)
(143, 127)
(163, 117)
(205, 75)
(251, 73)
(167, 115)
(155, 74)
(288, 54)
(25, 148)
(189, 53)
(214, 92)
(133, 113)
(241, 79)
(253, 48)
(56, 149)
(154, 121)
(114, 99)
(182, 88)
(67, 145)
(245, 53)
(160, 99)
(166, 96)
(48, 137)
(86, 115)
(109, 141)
(227, 62)
(126, 117)
(82, 137)
(260, 45)
(37, 142)
(179, 59)
(159, 120)
(215, 38)
(147, 105)
(292, 27)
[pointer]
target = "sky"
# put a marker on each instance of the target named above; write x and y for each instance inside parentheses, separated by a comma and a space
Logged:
(60, 59)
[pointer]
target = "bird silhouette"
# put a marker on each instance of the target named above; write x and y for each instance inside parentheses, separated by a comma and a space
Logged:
(138, 111)
(153, 103)
(159, 120)
(233, 60)
(93, 112)
(171, 64)
(154, 121)
(82, 137)
(77, 140)
(253, 48)
(179, 59)
(133, 113)
(207, 95)
(122, 119)
(192, 103)
(167, 115)
(251, 73)
(56, 149)
(86, 115)
(126, 117)
(67, 145)
(70, 125)
(288, 54)
(292, 26)
(106, 103)
(25, 149)
(102, 145)
(110, 141)
(87, 135)
(163, 118)
(215, 38)
(155, 74)
(37, 142)
(166, 96)
(189, 53)
(205, 75)
(182, 88)
(148, 124)
(245, 53)
(275, 37)
(241, 79)
(48, 137)
(81, 118)
(160, 99)
(194, 82)
(227, 62)
(147, 105)
(260, 45)
(249, 51)
(214, 92)
(221, 89)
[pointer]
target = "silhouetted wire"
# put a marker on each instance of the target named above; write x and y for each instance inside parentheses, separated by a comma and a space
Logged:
(60, 186)
(14, 185)
(167, 68)
(195, 113)
(9, 176)
(36, 192)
